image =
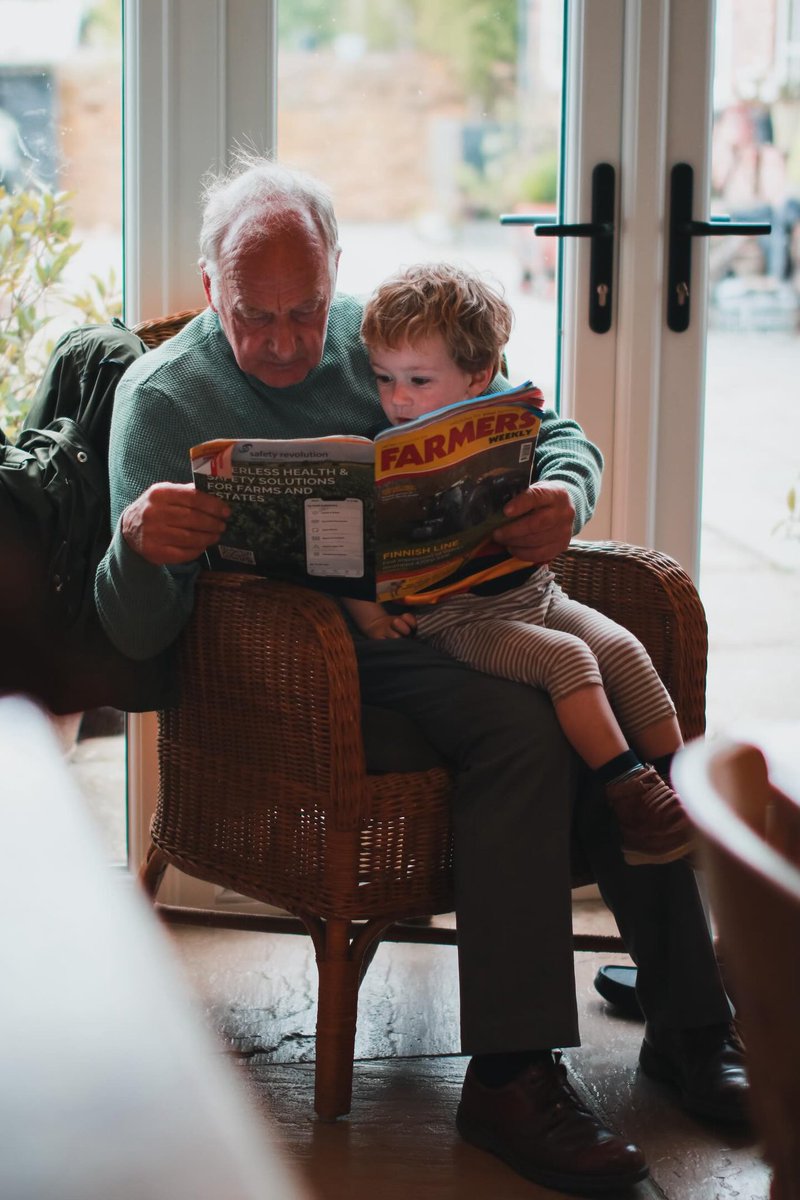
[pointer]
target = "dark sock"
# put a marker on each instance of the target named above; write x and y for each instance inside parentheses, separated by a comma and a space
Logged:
(496, 1070)
(615, 768)
(663, 764)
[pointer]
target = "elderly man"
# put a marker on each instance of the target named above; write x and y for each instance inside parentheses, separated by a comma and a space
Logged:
(277, 354)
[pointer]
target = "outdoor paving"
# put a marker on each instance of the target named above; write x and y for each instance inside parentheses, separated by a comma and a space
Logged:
(750, 568)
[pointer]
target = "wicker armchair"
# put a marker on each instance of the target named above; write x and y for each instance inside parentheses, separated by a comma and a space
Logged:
(263, 784)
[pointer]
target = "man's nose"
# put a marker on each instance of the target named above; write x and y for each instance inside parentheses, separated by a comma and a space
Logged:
(282, 341)
(401, 396)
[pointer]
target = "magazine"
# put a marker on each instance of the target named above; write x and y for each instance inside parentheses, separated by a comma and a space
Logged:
(408, 516)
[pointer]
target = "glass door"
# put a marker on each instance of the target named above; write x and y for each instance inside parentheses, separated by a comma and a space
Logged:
(718, 460)
(429, 120)
(750, 538)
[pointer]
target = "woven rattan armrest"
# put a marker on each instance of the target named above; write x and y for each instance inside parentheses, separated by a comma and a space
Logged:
(650, 594)
(160, 329)
(269, 693)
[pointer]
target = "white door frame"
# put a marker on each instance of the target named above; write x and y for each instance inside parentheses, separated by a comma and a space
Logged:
(640, 394)
(677, 485)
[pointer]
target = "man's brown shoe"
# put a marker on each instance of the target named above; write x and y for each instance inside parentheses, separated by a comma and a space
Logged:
(705, 1067)
(653, 824)
(542, 1129)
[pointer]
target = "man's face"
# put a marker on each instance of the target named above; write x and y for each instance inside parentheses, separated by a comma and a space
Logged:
(273, 302)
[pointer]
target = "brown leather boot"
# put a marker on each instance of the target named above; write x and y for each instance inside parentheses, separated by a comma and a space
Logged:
(541, 1128)
(706, 1068)
(653, 824)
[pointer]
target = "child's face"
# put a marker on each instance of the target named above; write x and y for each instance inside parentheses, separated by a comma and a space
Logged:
(416, 379)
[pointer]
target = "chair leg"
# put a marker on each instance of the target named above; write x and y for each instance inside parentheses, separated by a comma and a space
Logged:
(151, 872)
(337, 1007)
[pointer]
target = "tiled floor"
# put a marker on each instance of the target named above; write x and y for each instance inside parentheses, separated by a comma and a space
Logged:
(257, 991)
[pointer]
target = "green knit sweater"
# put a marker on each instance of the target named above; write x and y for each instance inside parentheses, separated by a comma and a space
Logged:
(190, 390)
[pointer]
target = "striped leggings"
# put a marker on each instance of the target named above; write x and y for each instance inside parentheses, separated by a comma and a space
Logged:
(535, 634)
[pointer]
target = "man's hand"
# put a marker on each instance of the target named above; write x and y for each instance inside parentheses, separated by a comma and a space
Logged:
(541, 524)
(173, 523)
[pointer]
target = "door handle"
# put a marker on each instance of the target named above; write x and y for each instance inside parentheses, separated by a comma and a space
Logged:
(681, 231)
(601, 231)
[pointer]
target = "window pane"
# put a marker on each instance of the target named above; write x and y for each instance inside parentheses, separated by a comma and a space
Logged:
(61, 252)
(750, 551)
(60, 141)
(428, 120)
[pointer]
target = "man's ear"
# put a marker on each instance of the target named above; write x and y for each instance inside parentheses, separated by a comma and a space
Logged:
(207, 287)
(479, 382)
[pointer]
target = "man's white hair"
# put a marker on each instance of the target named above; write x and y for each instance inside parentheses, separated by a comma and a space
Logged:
(255, 198)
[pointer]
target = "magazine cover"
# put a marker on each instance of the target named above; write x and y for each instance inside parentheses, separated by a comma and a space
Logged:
(408, 516)
(441, 483)
(302, 510)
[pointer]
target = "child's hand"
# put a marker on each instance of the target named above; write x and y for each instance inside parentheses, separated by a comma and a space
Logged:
(375, 622)
(391, 625)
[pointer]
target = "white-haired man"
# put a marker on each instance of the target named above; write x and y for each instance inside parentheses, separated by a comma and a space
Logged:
(277, 354)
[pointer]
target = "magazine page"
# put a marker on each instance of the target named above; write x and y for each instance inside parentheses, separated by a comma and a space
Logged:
(441, 483)
(302, 509)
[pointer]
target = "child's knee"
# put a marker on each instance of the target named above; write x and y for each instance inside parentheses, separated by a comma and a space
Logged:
(574, 665)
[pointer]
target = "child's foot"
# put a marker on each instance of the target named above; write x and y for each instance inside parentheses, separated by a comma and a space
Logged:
(654, 826)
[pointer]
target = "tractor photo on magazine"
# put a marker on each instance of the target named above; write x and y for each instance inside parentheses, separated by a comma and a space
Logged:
(409, 515)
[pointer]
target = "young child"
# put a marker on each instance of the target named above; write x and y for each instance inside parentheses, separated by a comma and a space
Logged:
(435, 335)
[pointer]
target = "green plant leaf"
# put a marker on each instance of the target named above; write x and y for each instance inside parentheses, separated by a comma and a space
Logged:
(36, 245)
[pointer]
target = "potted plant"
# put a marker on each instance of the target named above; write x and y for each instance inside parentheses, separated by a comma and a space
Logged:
(36, 245)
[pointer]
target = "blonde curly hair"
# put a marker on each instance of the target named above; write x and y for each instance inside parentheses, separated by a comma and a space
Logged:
(471, 315)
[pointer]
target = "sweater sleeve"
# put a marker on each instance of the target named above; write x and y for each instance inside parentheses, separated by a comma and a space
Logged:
(143, 607)
(565, 455)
